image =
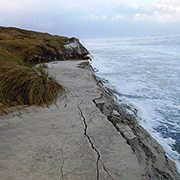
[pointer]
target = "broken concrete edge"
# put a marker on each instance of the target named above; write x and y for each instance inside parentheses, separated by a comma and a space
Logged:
(127, 133)
(149, 152)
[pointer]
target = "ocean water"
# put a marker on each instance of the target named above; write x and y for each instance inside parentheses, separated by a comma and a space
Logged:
(144, 73)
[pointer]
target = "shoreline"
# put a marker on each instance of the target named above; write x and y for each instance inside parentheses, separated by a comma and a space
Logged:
(135, 116)
(133, 132)
(88, 136)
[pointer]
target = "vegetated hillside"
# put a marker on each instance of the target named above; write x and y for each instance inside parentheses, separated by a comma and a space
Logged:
(24, 46)
(20, 82)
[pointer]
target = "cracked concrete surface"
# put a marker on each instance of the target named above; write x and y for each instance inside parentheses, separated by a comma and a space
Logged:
(73, 142)
(92, 145)
(90, 141)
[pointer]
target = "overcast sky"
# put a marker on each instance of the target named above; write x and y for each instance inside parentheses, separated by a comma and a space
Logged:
(93, 18)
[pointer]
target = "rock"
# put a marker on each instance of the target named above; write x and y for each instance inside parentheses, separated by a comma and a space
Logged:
(115, 113)
(115, 119)
(126, 131)
(72, 49)
(99, 103)
(35, 59)
(60, 54)
(75, 50)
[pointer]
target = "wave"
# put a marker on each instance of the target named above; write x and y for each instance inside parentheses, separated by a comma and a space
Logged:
(144, 73)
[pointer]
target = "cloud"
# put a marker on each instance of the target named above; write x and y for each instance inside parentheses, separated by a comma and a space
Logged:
(70, 17)
(172, 5)
(169, 9)
(127, 11)
(118, 17)
(165, 11)
(137, 16)
(114, 9)
(104, 17)
(92, 17)
(147, 9)
(95, 17)
(162, 17)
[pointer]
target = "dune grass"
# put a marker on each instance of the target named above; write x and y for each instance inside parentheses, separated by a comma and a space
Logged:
(25, 45)
(21, 83)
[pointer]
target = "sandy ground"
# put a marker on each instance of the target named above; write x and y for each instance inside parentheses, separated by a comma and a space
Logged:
(70, 141)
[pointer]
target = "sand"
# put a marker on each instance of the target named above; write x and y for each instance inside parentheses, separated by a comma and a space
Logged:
(75, 140)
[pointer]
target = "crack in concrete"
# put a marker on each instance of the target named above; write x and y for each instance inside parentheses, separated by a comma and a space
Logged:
(92, 145)
(62, 164)
(89, 139)
(106, 170)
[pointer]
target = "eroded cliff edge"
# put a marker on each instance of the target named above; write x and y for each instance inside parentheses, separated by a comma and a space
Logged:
(149, 153)
(76, 140)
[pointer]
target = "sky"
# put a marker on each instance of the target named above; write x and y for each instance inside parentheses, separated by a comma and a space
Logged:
(93, 18)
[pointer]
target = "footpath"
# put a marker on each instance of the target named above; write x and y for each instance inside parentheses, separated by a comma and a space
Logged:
(74, 140)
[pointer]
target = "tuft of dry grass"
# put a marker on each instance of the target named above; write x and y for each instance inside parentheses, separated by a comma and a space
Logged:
(21, 85)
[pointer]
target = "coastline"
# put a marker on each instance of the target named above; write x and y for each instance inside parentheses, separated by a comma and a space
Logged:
(144, 84)
(86, 136)
(149, 152)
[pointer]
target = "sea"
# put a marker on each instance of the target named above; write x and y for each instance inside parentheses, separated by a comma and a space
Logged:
(144, 74)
